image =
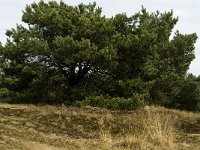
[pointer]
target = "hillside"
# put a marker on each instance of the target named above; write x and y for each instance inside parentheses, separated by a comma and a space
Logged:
(30, 127)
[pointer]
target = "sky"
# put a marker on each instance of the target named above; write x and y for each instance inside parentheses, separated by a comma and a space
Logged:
(188, 12)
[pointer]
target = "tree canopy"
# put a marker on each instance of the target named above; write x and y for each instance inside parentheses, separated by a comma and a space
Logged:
(68, 53)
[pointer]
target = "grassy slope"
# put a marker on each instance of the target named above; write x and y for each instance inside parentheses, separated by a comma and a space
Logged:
(29, 127)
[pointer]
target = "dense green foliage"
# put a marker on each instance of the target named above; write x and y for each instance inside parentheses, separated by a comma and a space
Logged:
(74, 53)
(135, 101)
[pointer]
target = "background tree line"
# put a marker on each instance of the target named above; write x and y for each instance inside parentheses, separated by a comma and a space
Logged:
(76, 55)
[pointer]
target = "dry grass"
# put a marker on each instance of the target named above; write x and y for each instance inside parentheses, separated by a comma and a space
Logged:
(29, 127)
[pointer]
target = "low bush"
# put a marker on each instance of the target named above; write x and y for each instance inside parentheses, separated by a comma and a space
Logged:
(4, 95)
(136, 101)
(188, 95)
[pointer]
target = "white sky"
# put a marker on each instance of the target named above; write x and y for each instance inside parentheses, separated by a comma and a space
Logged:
(187, 10)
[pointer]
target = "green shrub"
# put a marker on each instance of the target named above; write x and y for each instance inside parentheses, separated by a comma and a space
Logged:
(4, 95)
(4, 92)
(126, 88)
(188, 96)
(136, 101)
